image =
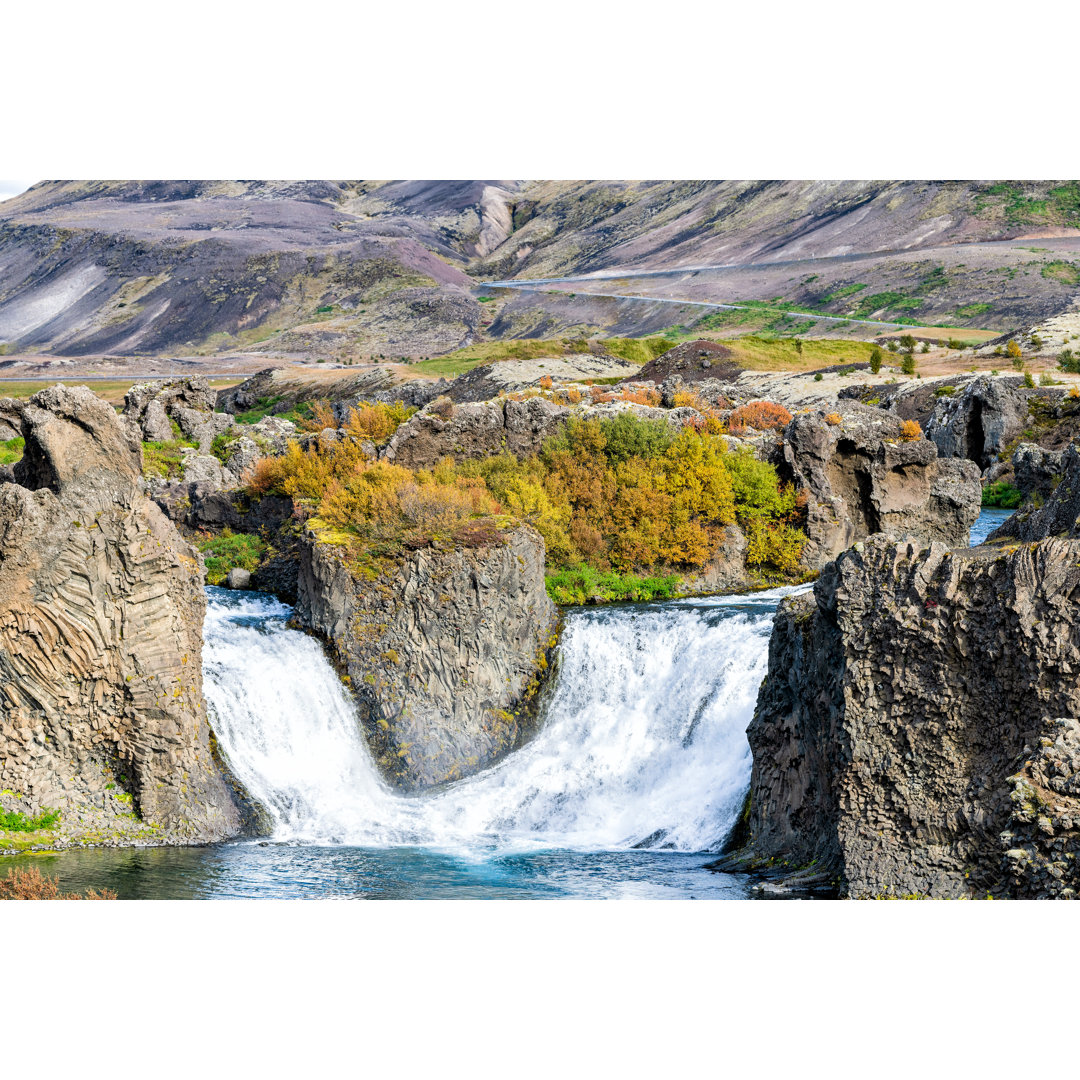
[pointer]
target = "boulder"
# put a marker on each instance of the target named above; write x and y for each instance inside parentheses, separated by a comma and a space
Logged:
(201, 428)
(442, 652)
(473, 430)
(101, 714)
(861, 477)
(10, 419)
(149, 406)
(238, 578)
(908, 738)
(206, 470)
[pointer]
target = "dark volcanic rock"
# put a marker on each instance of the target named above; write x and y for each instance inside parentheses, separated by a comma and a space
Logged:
(862, 478)
(693, 361)
(908, 737)
(1059, 514)
(441, 655)
(102, 714)
(983, 417)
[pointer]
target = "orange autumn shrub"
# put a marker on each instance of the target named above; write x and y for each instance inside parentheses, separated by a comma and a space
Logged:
(833, 419)
(322, 416)
(377, 422)
(761, 415)
(545, 383)
(910, 431)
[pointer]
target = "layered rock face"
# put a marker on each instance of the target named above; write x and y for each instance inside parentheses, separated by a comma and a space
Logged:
(861, 478)
(917, 730)
(101, 707)
(441, 656)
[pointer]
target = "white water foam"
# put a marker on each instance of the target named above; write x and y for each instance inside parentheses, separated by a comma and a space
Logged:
(642, 740)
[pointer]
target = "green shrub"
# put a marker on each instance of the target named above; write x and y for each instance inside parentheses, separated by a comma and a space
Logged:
(13, 821)
(1029, 381)
(1002, 494)
(243, 550)
(907, 366)
(818, 377)
(876, 357)
(1068, 361)
(583, 584)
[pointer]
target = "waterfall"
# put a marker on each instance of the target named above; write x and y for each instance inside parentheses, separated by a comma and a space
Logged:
(642, 738)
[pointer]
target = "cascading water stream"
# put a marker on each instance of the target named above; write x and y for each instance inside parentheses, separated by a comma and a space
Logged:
(642, 741)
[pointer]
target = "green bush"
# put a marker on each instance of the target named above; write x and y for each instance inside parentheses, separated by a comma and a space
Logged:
(908, 364)
(243, 550)
(13, 821)
(1002, 494)
(876, 357)
(629, 436)
(583, 584)
(1029, 381)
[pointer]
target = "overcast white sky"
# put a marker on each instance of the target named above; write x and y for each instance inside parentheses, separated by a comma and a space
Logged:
(8, 188)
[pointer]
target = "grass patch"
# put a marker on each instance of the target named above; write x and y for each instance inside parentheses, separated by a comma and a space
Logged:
(447, 366)
(13, 821)
(758, 352)
(1066, 272)
(223, 553)
(164, 459)
(970, 311)
(584, 584)
(11, 450)
(111, 390)
(637, 350)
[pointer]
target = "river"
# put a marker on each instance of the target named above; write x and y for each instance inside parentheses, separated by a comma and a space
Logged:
(629, 789)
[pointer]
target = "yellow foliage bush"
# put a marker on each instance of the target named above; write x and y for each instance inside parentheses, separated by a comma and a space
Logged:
(622, 493)
(833, 419)
(910, 431)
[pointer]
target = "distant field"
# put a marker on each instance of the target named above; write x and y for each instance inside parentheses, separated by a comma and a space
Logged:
(112, 390)
(937, 333)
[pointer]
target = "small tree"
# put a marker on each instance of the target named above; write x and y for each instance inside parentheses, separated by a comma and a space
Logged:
(891, 344)
(925, 347)
(798, 345)
(910, 431)
(875, 360)
(908, 365)
(1014, 353)
(907, 342)
(1029, 381)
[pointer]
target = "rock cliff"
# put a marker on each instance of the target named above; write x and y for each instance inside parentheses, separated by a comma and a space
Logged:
(101, 710)
(443, 656)
(1059, 514)
(860, 478)
(917, 731)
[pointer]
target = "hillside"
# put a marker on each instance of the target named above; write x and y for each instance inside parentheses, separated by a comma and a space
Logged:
(349, 271)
